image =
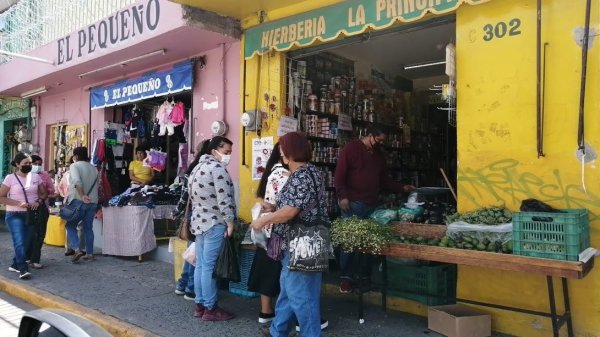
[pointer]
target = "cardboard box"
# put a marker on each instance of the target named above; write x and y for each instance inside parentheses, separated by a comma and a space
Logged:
(457, 320)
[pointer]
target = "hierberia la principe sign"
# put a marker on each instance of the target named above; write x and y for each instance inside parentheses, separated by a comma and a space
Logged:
(349, 18)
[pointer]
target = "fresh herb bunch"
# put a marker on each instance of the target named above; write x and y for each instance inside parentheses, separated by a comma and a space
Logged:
(363, 235)
(484, 216)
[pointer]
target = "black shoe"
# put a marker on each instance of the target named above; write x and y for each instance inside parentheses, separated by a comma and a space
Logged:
(324, 325)
(265, 318)
(190, 296)
(24, 275)
(69, 252)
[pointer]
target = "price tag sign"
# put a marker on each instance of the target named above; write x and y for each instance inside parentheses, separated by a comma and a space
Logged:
(287, 125)
(344, 122)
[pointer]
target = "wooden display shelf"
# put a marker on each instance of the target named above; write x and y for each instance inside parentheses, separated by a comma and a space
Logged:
(428, 231)
(531, 265)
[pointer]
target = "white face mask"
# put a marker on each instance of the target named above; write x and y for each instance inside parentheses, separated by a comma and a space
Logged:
(225, 158)
(36, 169)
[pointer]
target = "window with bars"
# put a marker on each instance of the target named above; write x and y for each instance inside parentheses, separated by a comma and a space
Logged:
(32, 23)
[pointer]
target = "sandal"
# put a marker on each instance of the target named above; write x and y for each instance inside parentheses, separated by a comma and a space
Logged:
(89, 258)
(78, 255)
(36, 265)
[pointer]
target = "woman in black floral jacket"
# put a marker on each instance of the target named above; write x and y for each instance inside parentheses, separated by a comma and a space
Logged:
(300, 197)
(213, 215)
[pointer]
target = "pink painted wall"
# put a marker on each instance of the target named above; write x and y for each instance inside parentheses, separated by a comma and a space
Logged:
(208, 89)
(73, 106)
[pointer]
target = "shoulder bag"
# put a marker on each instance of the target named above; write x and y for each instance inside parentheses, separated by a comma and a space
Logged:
(184, 232)
(31, 215)
(309, 243)
(71, 211)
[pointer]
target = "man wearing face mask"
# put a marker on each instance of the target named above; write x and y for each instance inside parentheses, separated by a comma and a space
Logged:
(39, 231)
(360, 176)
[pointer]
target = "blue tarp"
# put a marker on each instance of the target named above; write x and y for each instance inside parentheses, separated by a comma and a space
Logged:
(176, 79)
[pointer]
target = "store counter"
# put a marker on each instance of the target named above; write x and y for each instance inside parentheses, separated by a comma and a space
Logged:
(129, 230)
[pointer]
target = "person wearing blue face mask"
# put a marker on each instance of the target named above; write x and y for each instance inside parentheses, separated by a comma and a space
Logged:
(213, 214)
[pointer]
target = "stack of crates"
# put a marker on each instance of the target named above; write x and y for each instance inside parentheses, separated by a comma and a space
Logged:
(558, 236)
(429, 283)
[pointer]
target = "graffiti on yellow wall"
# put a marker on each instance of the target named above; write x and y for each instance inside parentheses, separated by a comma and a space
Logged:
(505, 182)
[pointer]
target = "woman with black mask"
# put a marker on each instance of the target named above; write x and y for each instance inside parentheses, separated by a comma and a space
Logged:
(22, 192)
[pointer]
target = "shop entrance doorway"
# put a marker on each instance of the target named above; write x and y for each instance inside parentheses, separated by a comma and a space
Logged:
(395, 79)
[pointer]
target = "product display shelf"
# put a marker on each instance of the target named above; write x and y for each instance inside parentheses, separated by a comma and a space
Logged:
(322, 139)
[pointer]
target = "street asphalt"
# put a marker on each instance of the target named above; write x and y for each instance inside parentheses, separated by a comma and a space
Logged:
(142, 294)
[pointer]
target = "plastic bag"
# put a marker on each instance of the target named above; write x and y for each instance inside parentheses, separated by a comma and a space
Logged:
(493, 233)
(190, 254)
(259, 238)
(384, 216)
(227, 266)
(409, 215)
(534, 205)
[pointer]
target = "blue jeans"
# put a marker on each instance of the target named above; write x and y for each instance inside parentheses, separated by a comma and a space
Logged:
(21, 235)
(186, 281)
(356, 264)
(88, 211)
(300, 297)
(208, 247)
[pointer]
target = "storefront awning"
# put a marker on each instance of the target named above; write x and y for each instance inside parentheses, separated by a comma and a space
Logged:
(176, 79)
(351, 17)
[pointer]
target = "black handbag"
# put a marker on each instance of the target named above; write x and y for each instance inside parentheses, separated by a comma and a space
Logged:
(70, 211)
(309, 243)
(31, 215)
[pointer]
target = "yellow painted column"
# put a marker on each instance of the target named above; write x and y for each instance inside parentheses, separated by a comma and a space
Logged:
(265, 77)
(498, 163)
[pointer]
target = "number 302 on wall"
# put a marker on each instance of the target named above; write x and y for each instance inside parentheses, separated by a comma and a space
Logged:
(502, 29)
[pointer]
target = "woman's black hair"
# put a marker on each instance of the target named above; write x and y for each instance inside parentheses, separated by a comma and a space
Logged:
(214, 143)
(18, 159)
(35, 157)
(193, 163)
(274, 159)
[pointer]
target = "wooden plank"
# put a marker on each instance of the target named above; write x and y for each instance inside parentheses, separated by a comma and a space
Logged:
(576, 270)
(414, 229)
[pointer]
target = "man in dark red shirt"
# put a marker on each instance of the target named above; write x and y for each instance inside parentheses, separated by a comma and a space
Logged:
(360, 175)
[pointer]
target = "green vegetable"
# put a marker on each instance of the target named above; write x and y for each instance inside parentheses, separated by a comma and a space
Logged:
(485, 216)
(363, 235)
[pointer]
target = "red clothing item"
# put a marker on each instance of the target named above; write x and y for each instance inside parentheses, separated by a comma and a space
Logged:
(360, 175)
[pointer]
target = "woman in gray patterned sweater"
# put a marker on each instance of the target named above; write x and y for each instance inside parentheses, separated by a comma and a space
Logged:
(213, 214)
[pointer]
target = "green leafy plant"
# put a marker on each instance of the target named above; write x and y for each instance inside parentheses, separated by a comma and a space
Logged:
(364, 235)
(484, 216)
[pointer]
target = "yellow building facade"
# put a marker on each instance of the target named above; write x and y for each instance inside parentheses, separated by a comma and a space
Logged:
(498, 162)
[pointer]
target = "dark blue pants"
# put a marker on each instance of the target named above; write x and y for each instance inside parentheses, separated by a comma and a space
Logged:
(21, 234)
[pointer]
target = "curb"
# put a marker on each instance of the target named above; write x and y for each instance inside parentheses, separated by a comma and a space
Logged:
(44, 299)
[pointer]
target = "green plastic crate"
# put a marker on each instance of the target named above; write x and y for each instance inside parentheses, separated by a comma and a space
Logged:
(557, 236)
(429, 284)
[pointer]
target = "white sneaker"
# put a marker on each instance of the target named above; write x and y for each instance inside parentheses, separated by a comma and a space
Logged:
(13, 269)
(324, 325)
(25, 275)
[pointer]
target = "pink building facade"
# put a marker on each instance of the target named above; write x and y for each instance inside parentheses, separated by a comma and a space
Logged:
(148, 36)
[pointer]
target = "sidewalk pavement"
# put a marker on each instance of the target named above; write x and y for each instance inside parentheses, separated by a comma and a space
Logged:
(129, 298)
